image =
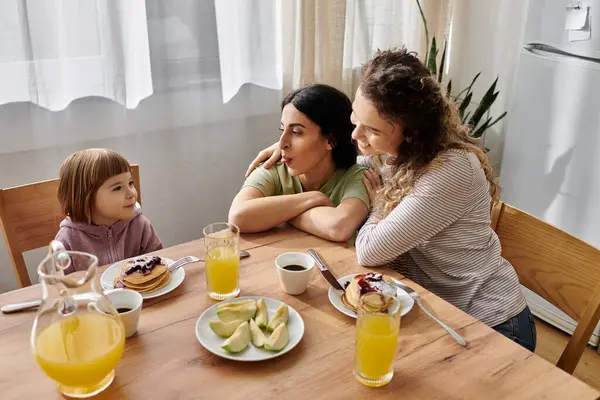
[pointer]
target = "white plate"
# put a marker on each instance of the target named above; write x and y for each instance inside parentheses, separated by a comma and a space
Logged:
(212, 342)
(108, 278)
(335, 297)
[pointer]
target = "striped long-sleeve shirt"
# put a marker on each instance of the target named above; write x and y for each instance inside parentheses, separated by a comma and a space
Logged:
(440, 237)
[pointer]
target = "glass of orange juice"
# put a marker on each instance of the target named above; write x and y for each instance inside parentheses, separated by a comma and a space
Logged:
(77, 337)
(377, 328)
(222, 265)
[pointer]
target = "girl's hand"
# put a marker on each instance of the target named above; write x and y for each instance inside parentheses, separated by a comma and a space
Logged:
(271, 154)
(372, 182)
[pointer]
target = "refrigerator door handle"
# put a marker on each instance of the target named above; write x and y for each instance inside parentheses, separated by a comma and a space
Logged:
(537, 48)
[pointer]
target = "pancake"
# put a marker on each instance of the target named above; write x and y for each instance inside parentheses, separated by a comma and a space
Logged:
(143, 270)
(150, 286)
(144, 285)
(144, 274)
(365, 283)
(165, 281)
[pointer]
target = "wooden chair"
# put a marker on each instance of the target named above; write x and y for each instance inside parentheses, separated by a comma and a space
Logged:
(30, 216)
(557, 266)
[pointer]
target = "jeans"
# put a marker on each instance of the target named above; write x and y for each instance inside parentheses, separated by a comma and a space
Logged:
(521, 329)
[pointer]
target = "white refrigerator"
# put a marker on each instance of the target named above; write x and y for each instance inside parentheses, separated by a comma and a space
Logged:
(551, 159)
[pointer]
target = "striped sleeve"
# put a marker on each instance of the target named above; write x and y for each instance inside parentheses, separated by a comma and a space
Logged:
(439, 198)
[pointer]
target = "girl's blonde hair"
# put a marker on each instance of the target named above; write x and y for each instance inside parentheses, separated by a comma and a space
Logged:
(405, 92)
(81, 175)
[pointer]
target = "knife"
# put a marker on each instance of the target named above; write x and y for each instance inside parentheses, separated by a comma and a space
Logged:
(325, 271)
(24, 305)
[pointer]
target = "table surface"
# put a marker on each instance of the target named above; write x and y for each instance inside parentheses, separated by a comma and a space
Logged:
(164, 360)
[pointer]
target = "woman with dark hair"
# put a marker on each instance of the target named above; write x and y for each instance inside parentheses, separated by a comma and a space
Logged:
(317, 186)
(432, 203)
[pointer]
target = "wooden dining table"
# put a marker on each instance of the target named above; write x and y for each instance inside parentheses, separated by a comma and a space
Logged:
(164, 360)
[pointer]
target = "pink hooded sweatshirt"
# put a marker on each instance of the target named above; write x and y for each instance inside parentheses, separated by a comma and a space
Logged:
(124, 239)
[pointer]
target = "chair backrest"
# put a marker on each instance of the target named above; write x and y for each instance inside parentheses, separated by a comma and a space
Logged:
(30, 216)
(559, 267)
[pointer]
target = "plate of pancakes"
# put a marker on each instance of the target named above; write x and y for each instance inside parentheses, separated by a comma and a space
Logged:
(147, 275)
(356, 284)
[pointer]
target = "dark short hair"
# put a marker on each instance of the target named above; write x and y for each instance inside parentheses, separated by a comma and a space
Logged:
(330, 109)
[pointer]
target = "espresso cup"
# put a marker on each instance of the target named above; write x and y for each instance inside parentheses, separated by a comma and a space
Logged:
(294, 271)
(129, 305)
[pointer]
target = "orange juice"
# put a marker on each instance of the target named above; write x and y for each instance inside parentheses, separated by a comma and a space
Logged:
(376, 340)
(222, 272)
(80, 351)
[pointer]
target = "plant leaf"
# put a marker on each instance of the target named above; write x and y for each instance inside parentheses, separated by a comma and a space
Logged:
(449, 89)
(497, 119)
(464, 104)
(432, 61)
(442, 63)
(479, 131)
(480, 111)
(486, 102)
(426, 30)
(468, 88)
(473, 81)
(464, 119)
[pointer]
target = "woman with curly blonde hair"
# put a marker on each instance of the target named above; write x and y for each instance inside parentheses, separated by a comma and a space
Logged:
(431, 188)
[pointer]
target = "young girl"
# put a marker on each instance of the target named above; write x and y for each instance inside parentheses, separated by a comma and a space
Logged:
(103, 218)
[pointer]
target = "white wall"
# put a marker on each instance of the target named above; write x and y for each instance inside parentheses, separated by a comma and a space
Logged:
(192, 151)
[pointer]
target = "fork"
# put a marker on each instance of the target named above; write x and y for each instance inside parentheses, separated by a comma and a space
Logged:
(181, 262)
(25, 305)
(191, 259)
(411, 292)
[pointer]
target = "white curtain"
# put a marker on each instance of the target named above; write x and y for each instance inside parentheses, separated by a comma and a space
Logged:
(487, 38)
(249, 44)
(321, 41)
(55, 51)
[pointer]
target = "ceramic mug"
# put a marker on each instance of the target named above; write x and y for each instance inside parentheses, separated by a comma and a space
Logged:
(294, 270)
(129, 305)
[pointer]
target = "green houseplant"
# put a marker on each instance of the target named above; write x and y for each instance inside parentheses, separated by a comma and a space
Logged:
(464, 97)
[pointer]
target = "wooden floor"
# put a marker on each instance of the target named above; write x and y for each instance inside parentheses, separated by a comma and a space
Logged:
(552, 341)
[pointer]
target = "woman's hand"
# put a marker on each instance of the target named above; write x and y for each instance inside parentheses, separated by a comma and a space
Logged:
(271, 154)
(372, 182)
(318, 199)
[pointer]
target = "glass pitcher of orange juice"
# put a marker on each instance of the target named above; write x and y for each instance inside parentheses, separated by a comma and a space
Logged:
(222, 265)
(77, 337)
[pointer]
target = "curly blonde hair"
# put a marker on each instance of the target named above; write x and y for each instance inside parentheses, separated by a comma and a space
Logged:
(404, 91)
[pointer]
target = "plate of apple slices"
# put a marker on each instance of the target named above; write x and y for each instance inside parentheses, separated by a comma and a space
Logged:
(250, 328)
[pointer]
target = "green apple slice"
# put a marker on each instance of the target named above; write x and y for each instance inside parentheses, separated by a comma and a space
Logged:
(237, 311)
(278, 339)
(239, 340)
(257, 336)
(224, 329)
(281, 317)
(262, 315)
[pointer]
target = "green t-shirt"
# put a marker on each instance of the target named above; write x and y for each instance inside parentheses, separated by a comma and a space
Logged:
(276, 181)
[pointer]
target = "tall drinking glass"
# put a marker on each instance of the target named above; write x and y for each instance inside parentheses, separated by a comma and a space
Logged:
(377, 328)
(222, 266)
